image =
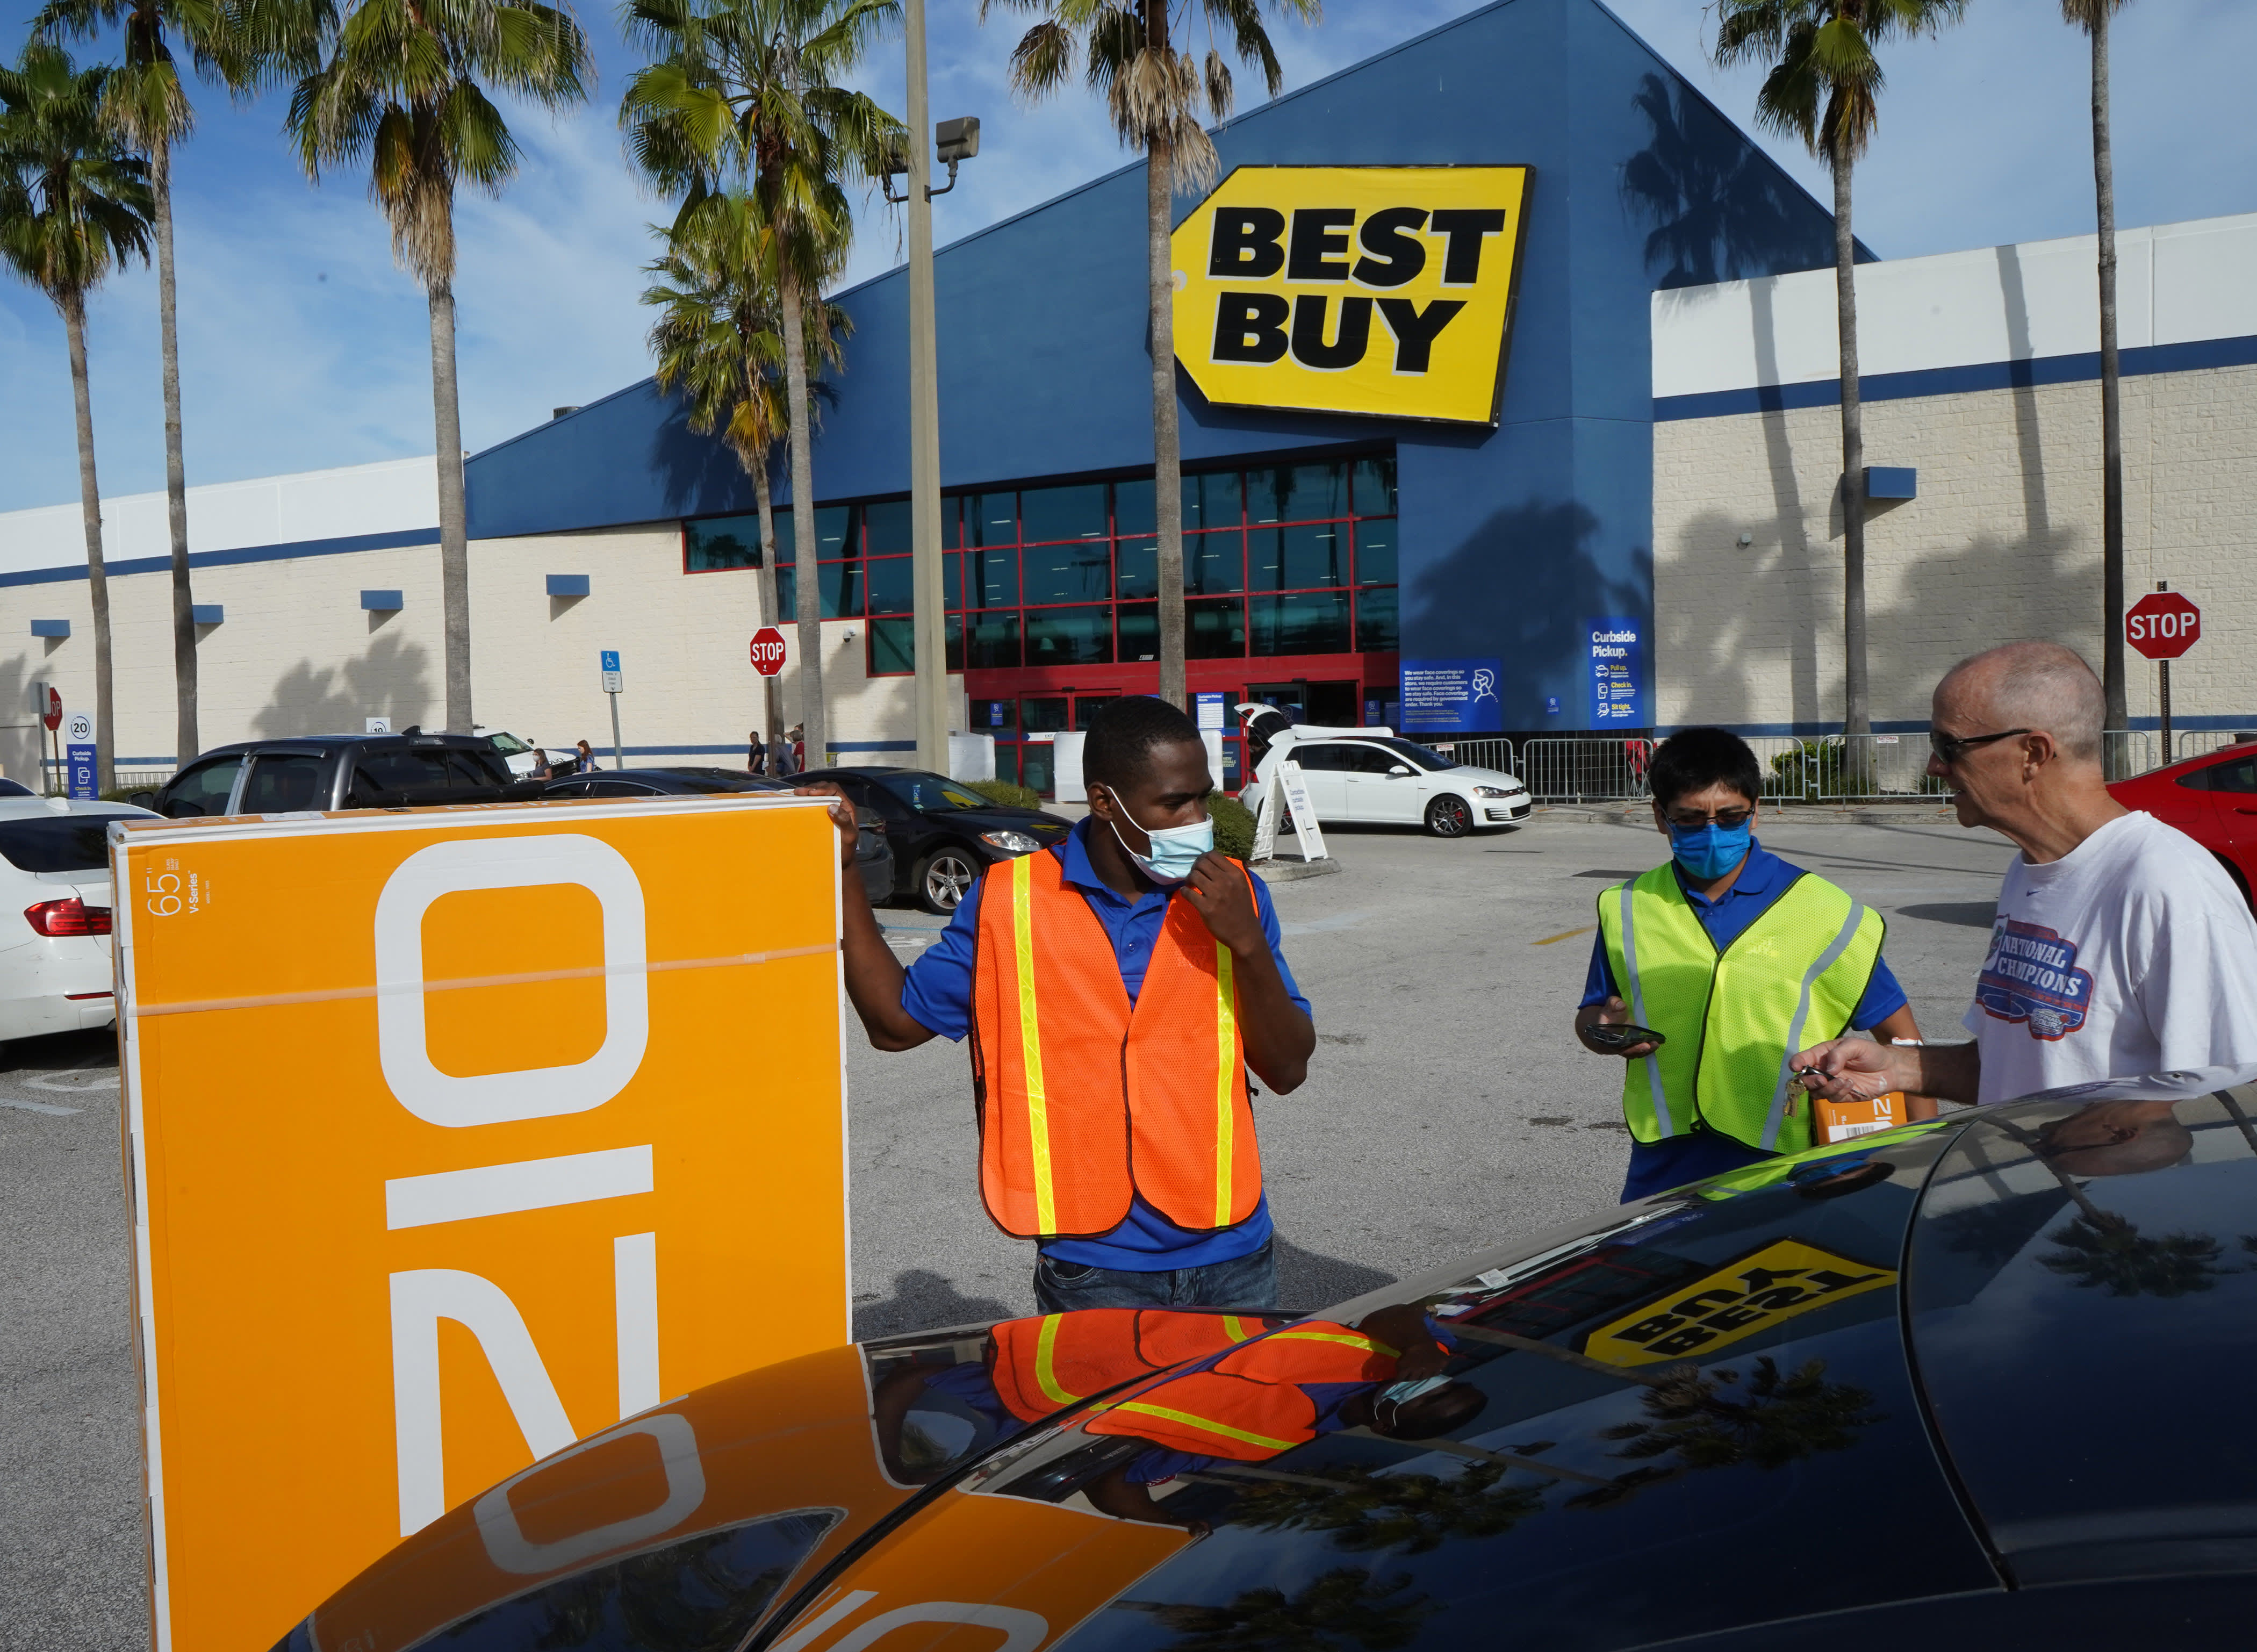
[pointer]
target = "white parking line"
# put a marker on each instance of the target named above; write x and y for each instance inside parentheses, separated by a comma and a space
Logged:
(37, 1106)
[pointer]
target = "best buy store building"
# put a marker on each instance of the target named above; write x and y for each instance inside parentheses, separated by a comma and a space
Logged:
(1416, 319)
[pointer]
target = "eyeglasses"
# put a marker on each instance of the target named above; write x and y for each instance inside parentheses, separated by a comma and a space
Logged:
(1951, 750)
(1730, 819)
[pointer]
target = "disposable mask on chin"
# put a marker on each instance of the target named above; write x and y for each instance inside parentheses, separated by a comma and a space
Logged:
(1175, 849)
(1391, 1399)
(1711, 850)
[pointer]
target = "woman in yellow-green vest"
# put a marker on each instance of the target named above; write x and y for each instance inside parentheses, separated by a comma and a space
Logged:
(1739, 959)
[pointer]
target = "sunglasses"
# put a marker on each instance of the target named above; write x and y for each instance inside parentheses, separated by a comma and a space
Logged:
(1951, 750)
(1730, 819)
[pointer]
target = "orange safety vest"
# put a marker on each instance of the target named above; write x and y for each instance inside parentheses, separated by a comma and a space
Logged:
(1046, 1364)
(1083, 1100)
(1250, 1405)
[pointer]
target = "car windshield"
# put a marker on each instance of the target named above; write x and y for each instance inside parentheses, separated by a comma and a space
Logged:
(930, 793)
(65, 843)
(1416, 756)
(508, 745)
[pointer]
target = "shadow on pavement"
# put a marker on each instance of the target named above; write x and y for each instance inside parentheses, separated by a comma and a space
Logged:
(1307, 1281)
(1968, 914)
(923, 1301)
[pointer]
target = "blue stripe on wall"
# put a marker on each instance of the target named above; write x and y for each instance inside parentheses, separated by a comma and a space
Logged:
(343, 546)
(1950, 381)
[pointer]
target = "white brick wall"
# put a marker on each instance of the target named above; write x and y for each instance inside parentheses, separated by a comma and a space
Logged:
(296, 653)
(2003, 542)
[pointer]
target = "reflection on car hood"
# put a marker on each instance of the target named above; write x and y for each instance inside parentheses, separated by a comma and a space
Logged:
(1004, 816)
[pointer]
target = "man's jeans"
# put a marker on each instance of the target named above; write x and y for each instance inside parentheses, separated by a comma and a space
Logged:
(1244, 1281)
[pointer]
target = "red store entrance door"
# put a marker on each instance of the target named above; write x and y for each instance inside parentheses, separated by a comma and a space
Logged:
(1042, 716)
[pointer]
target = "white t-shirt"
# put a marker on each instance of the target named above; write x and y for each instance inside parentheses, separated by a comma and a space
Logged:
(2132, 954)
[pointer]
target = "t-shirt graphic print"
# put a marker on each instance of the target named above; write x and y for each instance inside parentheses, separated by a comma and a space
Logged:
(2031, 975)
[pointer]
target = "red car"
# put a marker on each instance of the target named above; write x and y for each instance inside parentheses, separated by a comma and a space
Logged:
(2213, 799)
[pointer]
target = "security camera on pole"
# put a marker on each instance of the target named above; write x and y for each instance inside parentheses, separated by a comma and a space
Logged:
(958, 141)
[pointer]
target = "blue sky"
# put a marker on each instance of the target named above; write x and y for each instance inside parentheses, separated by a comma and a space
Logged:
(302, 347)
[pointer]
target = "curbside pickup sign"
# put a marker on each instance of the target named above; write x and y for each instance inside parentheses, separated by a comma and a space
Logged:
(491, 1182)
(1383, 290)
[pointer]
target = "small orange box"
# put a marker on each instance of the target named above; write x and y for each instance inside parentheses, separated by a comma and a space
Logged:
(1835, 1121)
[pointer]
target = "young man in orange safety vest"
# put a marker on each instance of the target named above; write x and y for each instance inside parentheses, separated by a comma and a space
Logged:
(1116, 988)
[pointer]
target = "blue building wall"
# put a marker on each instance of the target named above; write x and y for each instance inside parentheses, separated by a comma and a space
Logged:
(1511, 538)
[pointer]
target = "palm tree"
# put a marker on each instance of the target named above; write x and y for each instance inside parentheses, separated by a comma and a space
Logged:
(74, 202)
(718, 343)
(1153, 86)
(2107, 1252)
(745, 95)
(1365, 1509)
(2092, 16)
(148, 107)
(401, 90)
(1823, 87)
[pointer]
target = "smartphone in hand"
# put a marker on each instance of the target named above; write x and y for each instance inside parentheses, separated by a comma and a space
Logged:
(1621, 1036)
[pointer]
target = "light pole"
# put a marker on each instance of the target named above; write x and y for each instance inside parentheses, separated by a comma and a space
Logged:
(959, 140)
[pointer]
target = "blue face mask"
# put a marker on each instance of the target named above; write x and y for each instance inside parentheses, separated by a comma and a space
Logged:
(1710, 851)
(1175, 849)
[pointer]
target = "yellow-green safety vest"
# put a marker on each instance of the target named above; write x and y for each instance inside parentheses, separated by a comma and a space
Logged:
(1732, 1021)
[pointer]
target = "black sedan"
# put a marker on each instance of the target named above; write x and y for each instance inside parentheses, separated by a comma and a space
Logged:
(1973, 1384)
(874, 854)
(943, 834)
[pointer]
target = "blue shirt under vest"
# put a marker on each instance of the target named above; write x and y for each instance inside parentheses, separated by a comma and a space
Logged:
(937, 994)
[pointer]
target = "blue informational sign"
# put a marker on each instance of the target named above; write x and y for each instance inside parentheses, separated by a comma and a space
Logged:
(1452, 696)
(1551, 705)
(1616, 662)
(79, 763)
(1208, 710)
(610, 660)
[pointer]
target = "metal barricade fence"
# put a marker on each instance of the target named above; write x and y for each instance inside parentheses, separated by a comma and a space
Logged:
(1869, 768)
(1477, 753)
(2196, 742)
(2126, 751)
(54, 782)
(1588, 770)
(1780, 758)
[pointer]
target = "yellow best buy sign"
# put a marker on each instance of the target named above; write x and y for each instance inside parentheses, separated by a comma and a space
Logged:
(1784, 1279)
(1383, 290)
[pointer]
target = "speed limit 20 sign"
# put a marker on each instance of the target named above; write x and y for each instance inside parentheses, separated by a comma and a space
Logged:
(2163, 625)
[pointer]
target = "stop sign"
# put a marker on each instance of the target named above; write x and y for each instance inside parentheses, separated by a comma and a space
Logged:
(52, 714)
(2163, 625)
(768, 650)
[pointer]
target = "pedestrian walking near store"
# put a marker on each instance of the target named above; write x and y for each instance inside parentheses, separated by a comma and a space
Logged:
(798, 749)
(779, 763)
(588, 764)
(1116, 988)
(2120, 948)
(1734, 957)
(756, 755)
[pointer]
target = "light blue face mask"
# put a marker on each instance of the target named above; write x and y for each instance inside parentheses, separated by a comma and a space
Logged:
(1396, 1395)
(1175, 849)
(1710, 851)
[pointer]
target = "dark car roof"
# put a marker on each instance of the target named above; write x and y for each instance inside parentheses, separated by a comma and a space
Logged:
(1016, 812)
(676, 780)
(333, 742)
(1687, 1417)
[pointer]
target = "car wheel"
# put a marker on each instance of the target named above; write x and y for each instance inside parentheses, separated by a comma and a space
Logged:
(944, 878)
(1448, 817)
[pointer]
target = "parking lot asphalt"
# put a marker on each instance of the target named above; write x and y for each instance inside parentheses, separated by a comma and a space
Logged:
(1448, 1108)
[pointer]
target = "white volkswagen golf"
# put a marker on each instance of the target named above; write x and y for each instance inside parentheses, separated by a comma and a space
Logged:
(1370, 774)
(54, 914)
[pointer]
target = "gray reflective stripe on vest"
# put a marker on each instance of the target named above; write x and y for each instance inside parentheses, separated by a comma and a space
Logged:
(1638, 1012)
(1826, 962)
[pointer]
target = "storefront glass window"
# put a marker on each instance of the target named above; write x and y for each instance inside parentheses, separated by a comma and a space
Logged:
(893, 646)
(991, 519)
(1136, 569)
(1070, 636)
(1375, 552)
(1139, 630)
(1375, 621)
(892, 589)
(1214, 563)
(992, 641)
(1297, 493)
(1214, 628)
(834, 531)
(1068, 573)
(721, 543)
(1062, 513)
(994, 578)
(886, 530)
(1308, 622)
(1374, 487)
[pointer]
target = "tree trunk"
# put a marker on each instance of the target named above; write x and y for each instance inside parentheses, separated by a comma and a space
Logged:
(807, 589)
(185, 742)
(1856, 704)
(454, 542)
(1167, 460)
(2112, 675)
(97, 577)
(764, 505)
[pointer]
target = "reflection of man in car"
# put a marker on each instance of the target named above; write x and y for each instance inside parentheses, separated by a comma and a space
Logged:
(1260, 1400)
(931, 1417)
(1116, 986)
(2116, 1138)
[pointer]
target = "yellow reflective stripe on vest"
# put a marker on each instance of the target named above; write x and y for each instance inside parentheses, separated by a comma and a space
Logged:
(1366, 1343)
(1045, 1367)
(1826, 962)
(1226, 1082)
(1237, 1330)
(1030, 1042)
(1206, 1425)
(1651, 1063)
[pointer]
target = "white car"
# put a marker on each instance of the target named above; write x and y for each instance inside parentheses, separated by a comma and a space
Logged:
(1370, 774)
(54, 914)
(522, 756)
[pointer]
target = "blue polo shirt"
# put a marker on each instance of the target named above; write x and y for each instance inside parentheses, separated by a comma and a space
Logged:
(938, 994)
(1764, 877)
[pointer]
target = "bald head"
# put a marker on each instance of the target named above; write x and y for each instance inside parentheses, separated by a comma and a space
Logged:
(2041, 686)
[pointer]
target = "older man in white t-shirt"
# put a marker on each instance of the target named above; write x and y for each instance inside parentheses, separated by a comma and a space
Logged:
(2120, 948)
